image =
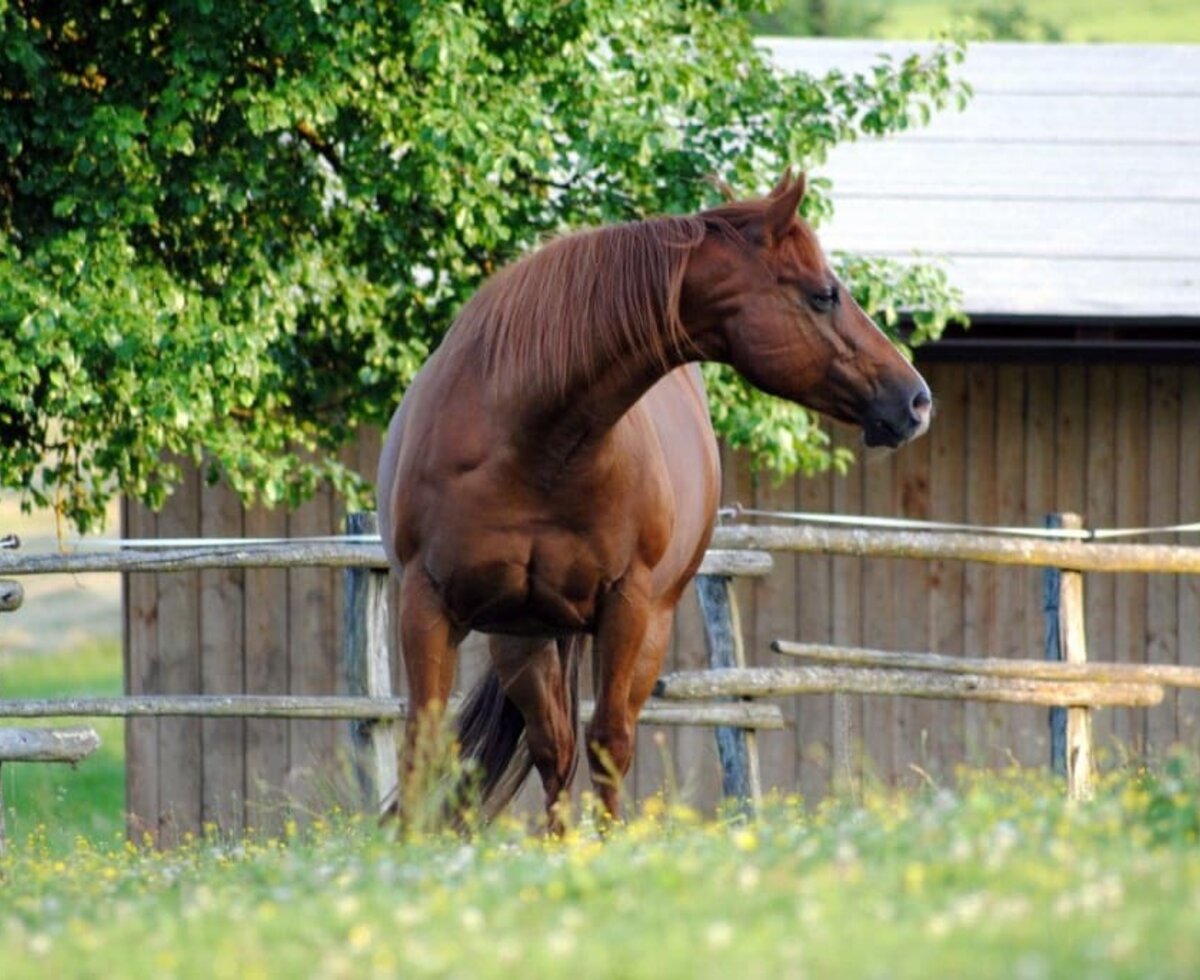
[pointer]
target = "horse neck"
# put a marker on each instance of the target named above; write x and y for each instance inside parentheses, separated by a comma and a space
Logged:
(617, 329)
(550, 429)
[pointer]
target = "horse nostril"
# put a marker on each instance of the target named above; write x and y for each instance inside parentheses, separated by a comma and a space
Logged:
(921, 403)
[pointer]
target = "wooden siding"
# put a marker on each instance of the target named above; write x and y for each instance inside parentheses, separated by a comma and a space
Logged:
(1072, 174)
(1009, 444)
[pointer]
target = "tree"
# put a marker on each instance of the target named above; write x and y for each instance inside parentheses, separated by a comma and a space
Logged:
(232, 231)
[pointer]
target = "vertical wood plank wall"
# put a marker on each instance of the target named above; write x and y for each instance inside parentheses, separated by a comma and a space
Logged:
(1118, 444)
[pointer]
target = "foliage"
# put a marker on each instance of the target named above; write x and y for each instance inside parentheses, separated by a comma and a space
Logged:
(999, 876)
(232, 231)
(1010, 21)
(1172, 21)
(821, 18)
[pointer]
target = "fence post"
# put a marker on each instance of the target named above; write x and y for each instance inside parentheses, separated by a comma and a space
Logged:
(1066, 639)
(11, 595)
(367, 668)
(1052, 584)
(737, 747)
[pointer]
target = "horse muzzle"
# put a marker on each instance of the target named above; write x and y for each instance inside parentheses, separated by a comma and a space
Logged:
(892, 422)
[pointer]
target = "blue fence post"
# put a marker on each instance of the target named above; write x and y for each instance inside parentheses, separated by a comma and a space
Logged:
(737, 747)
(1052, 585)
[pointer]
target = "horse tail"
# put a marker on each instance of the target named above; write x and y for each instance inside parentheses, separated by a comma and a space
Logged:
(491, 735)
(491, 731)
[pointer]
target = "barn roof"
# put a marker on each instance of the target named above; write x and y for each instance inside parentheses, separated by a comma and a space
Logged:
(1068, 187)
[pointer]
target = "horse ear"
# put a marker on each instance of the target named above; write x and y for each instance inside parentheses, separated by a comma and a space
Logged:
(723, 188)
(782, 205)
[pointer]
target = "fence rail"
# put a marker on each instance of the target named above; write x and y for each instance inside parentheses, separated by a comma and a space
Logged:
(735, 714)
(743, 563)
(730, 692)
(1079, 556)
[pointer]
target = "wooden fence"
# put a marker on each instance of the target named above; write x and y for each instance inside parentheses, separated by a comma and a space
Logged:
(70, 745)
(370, 705)
(729, 691)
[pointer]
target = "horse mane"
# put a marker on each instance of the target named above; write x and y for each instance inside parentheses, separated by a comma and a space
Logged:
(579, 302)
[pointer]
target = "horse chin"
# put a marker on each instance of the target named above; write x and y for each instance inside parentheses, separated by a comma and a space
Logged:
(878, 434)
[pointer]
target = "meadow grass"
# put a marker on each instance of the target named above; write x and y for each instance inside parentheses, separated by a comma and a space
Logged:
(88, 799)
(1154, 21)
(997, 876)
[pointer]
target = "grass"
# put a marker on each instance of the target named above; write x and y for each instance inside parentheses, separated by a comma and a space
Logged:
(1155, 21)
(89, 799)
(994, 876)
(998, 877)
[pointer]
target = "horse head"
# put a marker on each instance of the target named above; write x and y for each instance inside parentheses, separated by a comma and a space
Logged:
(781, 318)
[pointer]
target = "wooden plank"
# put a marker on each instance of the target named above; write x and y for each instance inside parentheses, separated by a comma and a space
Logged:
(313, 659)
(1100, 511)
(812, 580)
(222, 668)
(141, 676)
(979, 582)
(741, 778)
(846, 611)
(265, 597)
(1019, 731)
(1007, 66)
(332, 553)
(1188, 706)
(914, 719)
(984, 548)
(1069, 118)
(1040, 434)
(1072, 637)
(179, 739)
(947, 489)
(1164, 675)
(1122, 229)
(322, 707)
(47, 744)
(920, 169)
(776, 612)
(367, 670)
(765, 682)
(1061, 285)
(1163, 507)
(697, 768)
(12, 595)
(879, 614)
(1070, 442)
(1132, 439)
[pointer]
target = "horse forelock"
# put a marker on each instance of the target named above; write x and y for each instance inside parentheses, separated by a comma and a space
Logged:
(581, 302)
(743, 219)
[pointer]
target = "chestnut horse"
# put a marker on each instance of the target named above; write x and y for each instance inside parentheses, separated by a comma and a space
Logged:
(552, 474)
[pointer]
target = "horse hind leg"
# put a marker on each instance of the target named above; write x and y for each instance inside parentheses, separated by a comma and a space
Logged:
(540, 678)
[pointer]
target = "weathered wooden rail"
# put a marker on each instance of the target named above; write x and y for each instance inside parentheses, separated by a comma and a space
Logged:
(69, 745)
(726, 696)
(1066, 681)
(370, 704)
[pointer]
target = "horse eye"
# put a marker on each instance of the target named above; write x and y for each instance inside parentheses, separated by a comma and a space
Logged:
(824, 300)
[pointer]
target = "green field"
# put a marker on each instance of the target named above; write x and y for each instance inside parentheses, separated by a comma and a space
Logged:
(87, 800)
(1157, 21)
(996, 875)
(999, 877)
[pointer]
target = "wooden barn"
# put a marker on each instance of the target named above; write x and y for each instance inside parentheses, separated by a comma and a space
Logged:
(1065, 202)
